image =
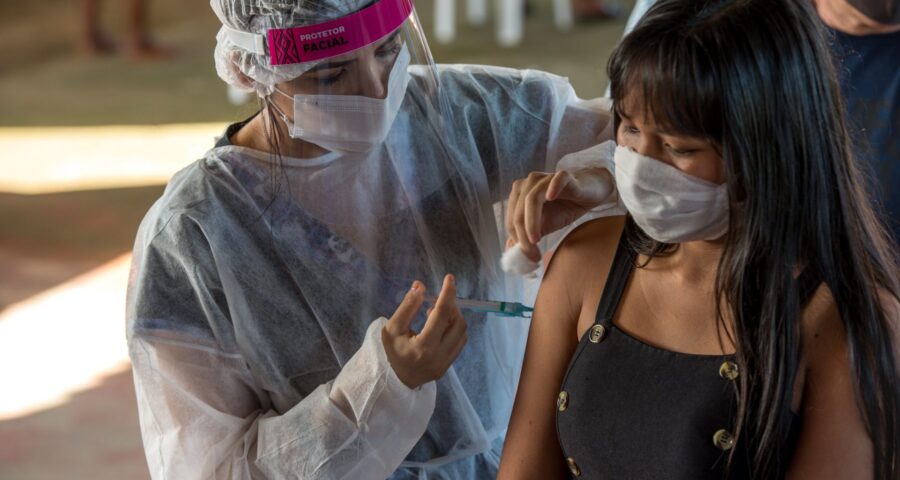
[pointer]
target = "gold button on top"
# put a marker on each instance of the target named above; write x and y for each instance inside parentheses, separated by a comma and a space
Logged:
(723, 440)
(562, 402)
(597, 333)
(573, 467)
(728, 370)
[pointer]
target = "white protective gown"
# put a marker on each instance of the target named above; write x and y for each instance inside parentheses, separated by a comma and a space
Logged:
(259, 288)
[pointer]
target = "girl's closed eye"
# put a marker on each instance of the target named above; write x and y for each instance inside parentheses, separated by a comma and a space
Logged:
(680, 152)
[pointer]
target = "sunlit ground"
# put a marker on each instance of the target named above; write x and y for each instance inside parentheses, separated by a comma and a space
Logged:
(68, 337)
(63, 340)
(55, 159)
(67, 408)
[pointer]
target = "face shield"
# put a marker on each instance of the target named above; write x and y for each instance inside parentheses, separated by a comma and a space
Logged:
(338, 83)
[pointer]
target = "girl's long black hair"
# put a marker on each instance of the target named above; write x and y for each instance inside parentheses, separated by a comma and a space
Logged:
(757, 78)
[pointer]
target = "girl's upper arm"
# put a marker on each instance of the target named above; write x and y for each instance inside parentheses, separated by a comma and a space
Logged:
(532, 448)
(834, 442)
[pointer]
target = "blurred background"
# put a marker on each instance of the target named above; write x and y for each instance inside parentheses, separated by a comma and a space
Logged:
(94, 118)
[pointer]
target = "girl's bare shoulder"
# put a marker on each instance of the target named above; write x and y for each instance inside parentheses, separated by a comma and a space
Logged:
(585, 255)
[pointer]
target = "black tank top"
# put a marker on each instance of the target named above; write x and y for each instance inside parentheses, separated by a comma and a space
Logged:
(628, 410)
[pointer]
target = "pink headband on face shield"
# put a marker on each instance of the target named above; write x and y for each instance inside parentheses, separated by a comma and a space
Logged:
(337, 37)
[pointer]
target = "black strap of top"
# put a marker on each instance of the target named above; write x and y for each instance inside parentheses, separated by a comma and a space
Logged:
(623, 264)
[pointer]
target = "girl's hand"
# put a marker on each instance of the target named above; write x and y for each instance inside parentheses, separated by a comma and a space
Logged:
(418, 358)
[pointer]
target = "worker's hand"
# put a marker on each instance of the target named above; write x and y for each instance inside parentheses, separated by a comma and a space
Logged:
(418, 358)
(543, 203)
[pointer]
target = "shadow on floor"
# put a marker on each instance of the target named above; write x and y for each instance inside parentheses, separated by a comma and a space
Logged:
(50, 238)
(94, 435)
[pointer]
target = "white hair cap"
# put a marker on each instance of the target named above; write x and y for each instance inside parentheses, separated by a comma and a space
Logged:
(247, 68)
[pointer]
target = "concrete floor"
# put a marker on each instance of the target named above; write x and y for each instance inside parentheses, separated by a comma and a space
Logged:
(94, 435)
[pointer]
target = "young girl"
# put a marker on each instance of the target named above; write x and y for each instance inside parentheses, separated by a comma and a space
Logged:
(742, 319)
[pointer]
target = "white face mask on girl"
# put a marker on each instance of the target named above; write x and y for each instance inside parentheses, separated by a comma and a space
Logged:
(669, 205)
(349, 123)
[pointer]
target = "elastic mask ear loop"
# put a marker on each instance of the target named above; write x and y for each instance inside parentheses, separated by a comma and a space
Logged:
(288, 123)
(274, 88)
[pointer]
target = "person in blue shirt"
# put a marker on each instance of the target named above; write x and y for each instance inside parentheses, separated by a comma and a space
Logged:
(867, 40)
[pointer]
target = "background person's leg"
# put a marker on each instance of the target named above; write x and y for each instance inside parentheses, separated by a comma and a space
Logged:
(93, 40)
(141, 46)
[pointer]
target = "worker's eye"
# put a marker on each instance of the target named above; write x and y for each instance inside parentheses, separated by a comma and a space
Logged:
(330, 77)
(390, 50)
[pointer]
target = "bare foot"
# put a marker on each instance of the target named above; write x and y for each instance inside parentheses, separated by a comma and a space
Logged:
(96, 44)
(146, 50)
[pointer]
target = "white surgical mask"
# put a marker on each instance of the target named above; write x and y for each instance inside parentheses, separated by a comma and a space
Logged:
(669, 205)
(350, 123)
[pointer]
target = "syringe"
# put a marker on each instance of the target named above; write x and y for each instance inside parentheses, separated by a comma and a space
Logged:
(507, 309)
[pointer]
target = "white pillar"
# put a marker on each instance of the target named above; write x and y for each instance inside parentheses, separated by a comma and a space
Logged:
(476, 11)
(444, 20)
(562, 14)
(509, 23)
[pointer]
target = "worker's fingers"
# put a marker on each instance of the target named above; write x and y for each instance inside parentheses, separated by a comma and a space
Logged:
(511, 208)
(518, 218)
(534, 206)
(441, 317)
(527, 247)
(587, 188)
(455, 332)
(529, 191)
(531, 250)
(402, 318)
(521, 234)
(562, 182)
(446, 300)
(516, 210)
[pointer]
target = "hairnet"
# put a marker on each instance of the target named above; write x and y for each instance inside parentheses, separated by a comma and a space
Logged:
(258, 16)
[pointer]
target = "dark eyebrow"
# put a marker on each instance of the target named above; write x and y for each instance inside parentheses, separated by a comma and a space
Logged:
(390, 39)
